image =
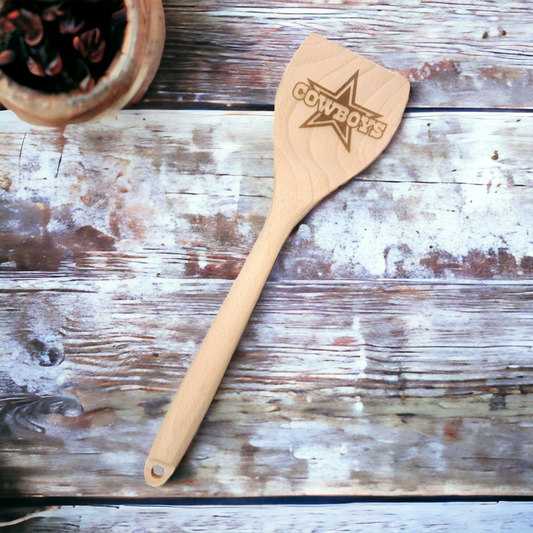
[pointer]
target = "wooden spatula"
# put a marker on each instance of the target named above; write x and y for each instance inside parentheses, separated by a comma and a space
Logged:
(335, 113)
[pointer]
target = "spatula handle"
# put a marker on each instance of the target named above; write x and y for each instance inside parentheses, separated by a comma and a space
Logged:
(203, 378)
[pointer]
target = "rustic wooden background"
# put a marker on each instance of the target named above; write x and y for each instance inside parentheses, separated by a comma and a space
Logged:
(391, 354)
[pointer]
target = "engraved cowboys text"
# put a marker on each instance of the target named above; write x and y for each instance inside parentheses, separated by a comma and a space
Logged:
(339, 110)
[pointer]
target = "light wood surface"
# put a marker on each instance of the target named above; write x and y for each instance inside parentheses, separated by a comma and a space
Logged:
(119, 276)
(84, 203)
(345, 387)
(391, 351)
(356, 518)
(456, 55)
(335, 113)
(207, 369)
(233, 53)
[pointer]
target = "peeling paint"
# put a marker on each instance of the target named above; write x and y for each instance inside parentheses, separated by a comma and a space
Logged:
(427, 70)
(454, 213)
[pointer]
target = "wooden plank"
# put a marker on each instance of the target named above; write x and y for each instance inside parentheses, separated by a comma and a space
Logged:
(343, 388)
(233, 53)
(354, 517)
(454, 53)
(184, 194)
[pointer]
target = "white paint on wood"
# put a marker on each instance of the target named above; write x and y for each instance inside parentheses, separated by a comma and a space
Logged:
(428, 395)
(407, 388)
(352, 517)
(454, 54)
(186, 193)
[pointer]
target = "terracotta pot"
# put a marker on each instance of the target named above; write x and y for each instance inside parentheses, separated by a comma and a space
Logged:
(125, 81)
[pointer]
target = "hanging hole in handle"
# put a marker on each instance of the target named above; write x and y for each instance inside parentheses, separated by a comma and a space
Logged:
(158, 471)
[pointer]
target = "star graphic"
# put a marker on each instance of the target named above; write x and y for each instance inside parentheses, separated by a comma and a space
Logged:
(344, 96)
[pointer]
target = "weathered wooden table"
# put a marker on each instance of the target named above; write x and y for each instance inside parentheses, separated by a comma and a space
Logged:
(391, 354)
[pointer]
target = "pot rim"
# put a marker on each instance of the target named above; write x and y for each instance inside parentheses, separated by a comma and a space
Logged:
(44, 108)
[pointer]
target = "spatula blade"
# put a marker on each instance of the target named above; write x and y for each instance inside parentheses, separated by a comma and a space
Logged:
(335, 112)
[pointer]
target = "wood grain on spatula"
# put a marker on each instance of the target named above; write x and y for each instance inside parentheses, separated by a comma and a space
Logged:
(335, 112)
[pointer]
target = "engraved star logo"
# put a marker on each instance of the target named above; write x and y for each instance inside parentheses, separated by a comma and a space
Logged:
(345, 96)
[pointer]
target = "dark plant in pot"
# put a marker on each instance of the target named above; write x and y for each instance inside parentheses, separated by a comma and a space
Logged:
(70, 61)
